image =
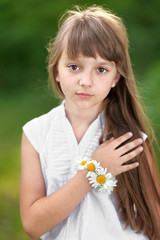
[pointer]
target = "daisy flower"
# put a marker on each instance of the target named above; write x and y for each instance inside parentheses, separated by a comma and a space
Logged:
(83, 165)
(102, 180)
(90, 165)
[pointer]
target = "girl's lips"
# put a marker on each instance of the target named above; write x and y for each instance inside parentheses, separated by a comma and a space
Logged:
(84, 95)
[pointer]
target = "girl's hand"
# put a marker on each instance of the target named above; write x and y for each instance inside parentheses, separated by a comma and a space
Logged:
(113, 159)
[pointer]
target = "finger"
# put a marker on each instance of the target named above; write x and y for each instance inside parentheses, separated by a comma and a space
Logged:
(108, 141)
(121, 139)
(111, 139)
(131, 155)
(129, 167)
(129, 146)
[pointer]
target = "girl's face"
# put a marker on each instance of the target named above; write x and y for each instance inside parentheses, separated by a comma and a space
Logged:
(86, 81)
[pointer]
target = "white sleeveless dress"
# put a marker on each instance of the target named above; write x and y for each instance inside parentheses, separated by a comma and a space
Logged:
(60, 155)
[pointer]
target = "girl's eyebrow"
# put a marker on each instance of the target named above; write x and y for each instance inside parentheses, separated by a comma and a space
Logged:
(108, 63)
(105, 63)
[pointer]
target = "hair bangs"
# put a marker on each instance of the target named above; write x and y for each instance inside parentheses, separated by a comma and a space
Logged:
(90, 38)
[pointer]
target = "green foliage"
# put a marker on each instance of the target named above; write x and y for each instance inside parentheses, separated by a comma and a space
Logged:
(27, 26)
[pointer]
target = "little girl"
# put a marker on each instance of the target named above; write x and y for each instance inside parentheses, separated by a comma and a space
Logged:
(88, 166)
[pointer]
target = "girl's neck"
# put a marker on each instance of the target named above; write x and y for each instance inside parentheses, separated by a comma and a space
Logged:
(81, 119)
(86, 116)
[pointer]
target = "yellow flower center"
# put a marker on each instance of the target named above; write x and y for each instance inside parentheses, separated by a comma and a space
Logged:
(101, 179)
(91, 167)
(83, 163)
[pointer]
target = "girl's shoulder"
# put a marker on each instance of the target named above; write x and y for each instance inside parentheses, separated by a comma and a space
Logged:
(44, 120)
(36, 130)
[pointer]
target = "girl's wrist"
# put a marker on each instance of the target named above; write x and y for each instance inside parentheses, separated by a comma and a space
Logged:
(98, 176)
(83, 179)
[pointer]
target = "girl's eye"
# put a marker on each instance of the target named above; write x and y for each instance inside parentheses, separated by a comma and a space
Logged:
(101, 70)
(73, 67)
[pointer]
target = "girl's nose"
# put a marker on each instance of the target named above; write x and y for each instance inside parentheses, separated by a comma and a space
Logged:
(86, 80)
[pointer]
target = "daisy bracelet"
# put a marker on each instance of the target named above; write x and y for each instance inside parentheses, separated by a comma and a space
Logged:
(98, 176)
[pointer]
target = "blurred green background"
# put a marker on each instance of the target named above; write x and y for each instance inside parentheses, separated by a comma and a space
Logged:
(25, 29)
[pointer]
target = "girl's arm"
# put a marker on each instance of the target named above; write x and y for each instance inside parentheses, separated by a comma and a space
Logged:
(40, 213)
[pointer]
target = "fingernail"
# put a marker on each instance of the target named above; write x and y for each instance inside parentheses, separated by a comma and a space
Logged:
(140, 148)
(130, 134)
(140, 140)
(137, 164)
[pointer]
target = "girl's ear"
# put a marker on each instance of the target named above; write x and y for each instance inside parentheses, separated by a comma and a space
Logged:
(56, 74)
(118, 75)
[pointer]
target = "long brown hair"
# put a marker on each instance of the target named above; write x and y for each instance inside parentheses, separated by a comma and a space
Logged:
(95, 31)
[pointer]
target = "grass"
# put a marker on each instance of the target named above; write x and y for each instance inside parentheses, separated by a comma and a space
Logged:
(16, 110)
